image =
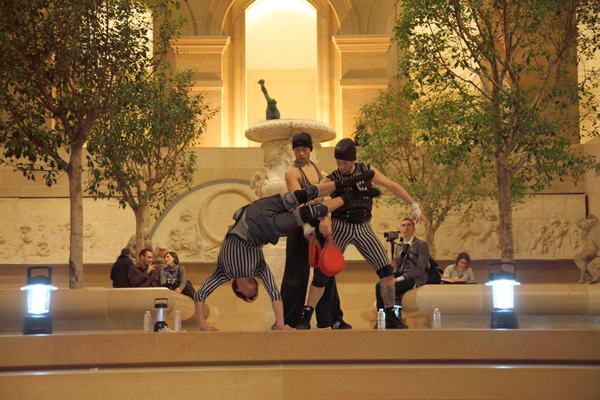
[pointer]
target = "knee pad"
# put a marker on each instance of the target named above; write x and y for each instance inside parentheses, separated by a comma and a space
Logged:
(319, 279)
(386, 271)
(312, 192)
(319, 210)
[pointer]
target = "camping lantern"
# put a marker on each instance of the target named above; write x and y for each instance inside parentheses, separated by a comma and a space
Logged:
(503, 296)
(38, 289)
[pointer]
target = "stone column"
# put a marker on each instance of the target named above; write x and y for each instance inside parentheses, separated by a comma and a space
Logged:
(363, 73)
(205, 55)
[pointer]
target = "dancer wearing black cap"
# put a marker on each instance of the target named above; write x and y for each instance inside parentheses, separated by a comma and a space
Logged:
(351, 225)
(265, 221)
(295, 277)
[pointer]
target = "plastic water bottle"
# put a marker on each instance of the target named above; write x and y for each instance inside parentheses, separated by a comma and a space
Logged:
(380, 319)
(437, 319)
(177, 321)
(148, 322)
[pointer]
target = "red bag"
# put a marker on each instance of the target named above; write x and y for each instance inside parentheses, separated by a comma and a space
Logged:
(314, 250)
(331, 261)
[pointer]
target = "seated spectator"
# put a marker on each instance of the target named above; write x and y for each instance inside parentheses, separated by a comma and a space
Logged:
(460, 271)
(145, 274)
(173, 276)
(411, 261)
(120, 269)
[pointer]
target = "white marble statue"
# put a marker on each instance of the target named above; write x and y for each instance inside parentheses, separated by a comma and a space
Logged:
(588, 258)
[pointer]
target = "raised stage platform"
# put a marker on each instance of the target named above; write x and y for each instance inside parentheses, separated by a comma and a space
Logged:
(358, 364)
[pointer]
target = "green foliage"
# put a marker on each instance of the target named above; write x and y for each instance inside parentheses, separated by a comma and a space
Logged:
(512, 65)
(390, 136)
(143, 152)
(64, 64)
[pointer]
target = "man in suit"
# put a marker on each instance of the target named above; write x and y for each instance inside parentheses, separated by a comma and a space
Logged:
(411, 260)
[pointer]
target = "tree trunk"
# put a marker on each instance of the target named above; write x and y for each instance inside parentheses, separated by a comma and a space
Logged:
(139, 231)
(430, 239)
(505, 208)
(75, 172)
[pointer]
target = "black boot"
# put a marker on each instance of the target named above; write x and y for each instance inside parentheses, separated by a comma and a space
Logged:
(304, 323)
(355, 180)
(341, 324)
(393, 322)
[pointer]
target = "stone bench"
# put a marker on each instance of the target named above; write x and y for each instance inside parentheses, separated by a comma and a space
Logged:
(543, 305)
(98, 308)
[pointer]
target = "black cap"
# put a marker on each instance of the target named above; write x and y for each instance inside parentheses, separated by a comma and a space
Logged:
(345, 150)
(302, 139)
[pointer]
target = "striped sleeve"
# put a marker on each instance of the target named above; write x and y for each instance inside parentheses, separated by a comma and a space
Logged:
(264, 274)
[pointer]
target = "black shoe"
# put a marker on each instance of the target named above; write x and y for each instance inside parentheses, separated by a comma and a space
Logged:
(341, 324)
(393, 322)
(304, 323)
(357, 180)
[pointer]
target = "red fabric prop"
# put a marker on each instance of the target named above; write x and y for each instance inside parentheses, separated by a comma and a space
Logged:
(332, 260)
(314, 250)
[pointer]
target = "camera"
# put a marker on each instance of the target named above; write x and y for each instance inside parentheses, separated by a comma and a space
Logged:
(390, 236)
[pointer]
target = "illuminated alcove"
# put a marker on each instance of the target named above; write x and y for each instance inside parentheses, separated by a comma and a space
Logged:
(281, 48)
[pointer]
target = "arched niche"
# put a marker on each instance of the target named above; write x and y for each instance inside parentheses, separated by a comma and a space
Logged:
(234, 98)
(339, 19)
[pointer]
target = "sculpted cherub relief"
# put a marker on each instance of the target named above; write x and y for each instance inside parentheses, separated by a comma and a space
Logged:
(186, 237)
(588, 258)
(26, 244)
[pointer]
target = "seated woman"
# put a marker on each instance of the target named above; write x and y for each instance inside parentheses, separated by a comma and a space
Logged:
(460, 271)
(173, 275)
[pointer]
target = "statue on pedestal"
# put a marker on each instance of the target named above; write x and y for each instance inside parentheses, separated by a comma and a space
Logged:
(272, 111)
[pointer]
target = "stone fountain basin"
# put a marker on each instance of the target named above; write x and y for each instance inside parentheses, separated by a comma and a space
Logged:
(284, 129)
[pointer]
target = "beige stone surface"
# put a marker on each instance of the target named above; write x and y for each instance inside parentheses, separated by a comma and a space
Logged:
(355, 346)
(98, 303)
(530, 299)
(311, 382)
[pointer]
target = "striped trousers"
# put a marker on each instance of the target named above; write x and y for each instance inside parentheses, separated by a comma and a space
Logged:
(239, 259)
(363, 238)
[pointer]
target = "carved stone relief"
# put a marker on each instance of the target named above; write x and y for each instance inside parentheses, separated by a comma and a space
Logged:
(544, 228)
(37, 231)
(588, 257)
(198, 239)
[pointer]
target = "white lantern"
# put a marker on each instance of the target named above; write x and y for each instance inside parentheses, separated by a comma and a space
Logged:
(38, 302)
(503, 295)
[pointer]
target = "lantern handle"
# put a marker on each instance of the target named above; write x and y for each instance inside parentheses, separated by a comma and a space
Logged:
(502, 263)
(47, 268)
(161, 298)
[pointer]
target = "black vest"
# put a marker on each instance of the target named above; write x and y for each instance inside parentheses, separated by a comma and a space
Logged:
(355, 212)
